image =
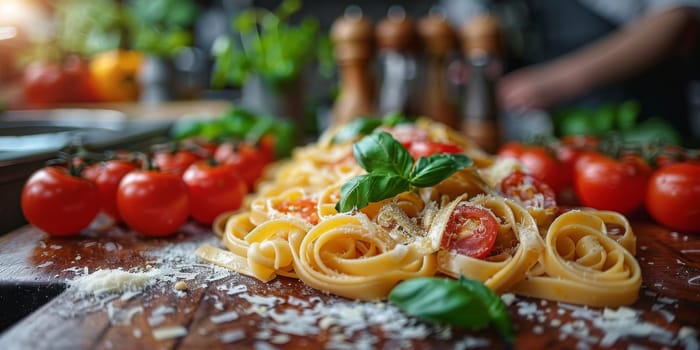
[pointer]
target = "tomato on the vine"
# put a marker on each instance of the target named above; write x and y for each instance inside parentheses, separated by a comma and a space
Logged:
(154, 203)
(471, 230)
(539, 162)
(673, 196)
(174, 161)
(528, 190)
(246, 160)
(419, 149)
(109, 175)
(214, 189)
(604, 183)
(59, 203)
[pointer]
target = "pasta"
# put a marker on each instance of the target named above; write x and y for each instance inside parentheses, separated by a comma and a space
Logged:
(291, 228)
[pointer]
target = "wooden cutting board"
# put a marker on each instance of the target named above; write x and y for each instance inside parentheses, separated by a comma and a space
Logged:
(226, 310)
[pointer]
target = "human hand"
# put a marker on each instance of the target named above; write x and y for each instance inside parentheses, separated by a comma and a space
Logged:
(537, 87)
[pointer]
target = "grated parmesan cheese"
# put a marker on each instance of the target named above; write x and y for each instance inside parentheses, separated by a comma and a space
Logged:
(224, 317)
(165, 333)
(110, 281)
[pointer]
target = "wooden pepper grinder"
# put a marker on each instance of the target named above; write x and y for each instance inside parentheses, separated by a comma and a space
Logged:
(480, 117)
(438, 42)
(396, 36)
(352, 38)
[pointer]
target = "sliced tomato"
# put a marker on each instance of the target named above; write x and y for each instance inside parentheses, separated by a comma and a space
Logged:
(470, 231)
(528, 190)
(540, 162)
(419, 149)
(305, 208)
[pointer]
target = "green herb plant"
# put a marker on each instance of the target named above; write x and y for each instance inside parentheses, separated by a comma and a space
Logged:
(268, 45)
(390, 171)
(160, 27)
(617, 122)
(238, 124)
(87, 27)
(464, 303)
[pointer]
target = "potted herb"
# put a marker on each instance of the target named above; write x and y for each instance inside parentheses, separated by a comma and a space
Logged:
(267, 55)
(159, 29)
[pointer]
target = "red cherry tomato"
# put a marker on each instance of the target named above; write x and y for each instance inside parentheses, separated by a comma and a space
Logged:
(44, 84)
(58, 203)
(673, 196)
(107, 180)
(174, 162)
(246, 160)
(154, 203)
(419, 149)
(605, 183)
(528, 190)
(214, 189)
(470, 231)
(539, 163)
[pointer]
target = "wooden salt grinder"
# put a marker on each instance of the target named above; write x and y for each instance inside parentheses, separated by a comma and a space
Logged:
(352, 38)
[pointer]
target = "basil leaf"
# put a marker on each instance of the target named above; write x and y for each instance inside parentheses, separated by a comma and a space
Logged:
(381, 153)
(496, 308)
(440, 300)
(359, 126)
(394, 119)
(431, 170)
(364, 189)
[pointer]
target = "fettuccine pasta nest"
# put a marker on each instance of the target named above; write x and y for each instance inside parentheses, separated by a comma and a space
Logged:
(291, 228)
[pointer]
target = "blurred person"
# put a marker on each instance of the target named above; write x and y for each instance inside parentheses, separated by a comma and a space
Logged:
(592, 52)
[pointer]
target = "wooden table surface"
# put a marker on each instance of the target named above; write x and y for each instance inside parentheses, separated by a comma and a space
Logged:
(667, 313)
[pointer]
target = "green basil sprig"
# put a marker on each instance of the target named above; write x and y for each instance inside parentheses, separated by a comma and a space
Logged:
(390, 171)
(463, 303)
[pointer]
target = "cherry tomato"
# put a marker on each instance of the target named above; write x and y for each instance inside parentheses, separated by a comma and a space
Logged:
(305, 208)
(528, 190)
(267, 149)
(539, 163)
(214, 189)
(81, 86)
(58, 203)
(470, 231)
(175, 162)
(673, 196)
(44, 84)
(605, 183)
(246, 160)
(419, 149)
(154, 203)
(109, 175)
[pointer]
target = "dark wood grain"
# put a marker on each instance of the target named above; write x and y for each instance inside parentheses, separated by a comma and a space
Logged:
(668, 299)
